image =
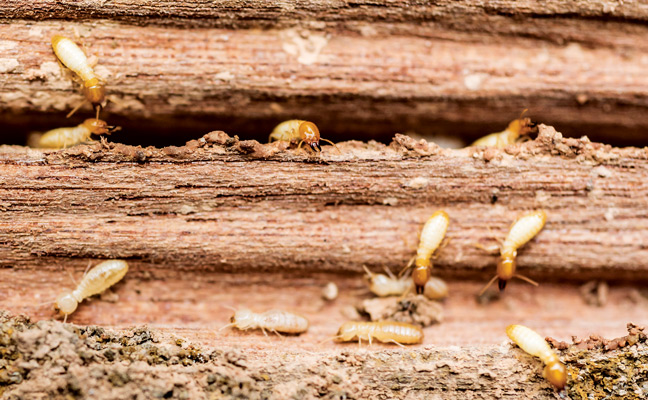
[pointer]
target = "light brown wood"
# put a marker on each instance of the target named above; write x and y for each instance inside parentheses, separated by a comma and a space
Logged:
(364, 71)
(222, 208)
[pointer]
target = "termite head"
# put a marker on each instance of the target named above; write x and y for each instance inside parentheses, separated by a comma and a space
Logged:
(505, 268)
(66, 303)
(94, 91)
(309, 133)
(420, 275)
(347, 331)
(243, 319)
(556, 373)
(99, 127)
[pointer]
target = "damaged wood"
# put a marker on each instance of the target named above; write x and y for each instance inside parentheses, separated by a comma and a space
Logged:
(210, 205)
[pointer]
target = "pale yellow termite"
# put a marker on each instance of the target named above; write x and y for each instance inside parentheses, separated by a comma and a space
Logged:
(276, 321)
(522, 230)
(384, 331)
(529, 341)
(65, 137)
(387, 285)
(71, 55)
(306, 131)
(95, 281)
(516, 129)
(432, 234)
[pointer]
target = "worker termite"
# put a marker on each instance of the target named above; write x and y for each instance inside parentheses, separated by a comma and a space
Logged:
(306, 131)
(71, 55)
(384, 331)
(529, 341)
(522, 230)
(387, 285)
(95, 281)
(432, 234)
(276, 321)
(517, 128)
(64, 137)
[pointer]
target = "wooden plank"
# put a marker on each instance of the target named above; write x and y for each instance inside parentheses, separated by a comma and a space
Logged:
(212, 205)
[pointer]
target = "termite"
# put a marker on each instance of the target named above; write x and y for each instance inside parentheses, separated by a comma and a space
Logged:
(387, 285)
(64, 137)
(516, 129)
(276, 321)
(432, 234)
(522, 230)
(95, 281)
(306, 131)
(384, 331)
(528, 340)
(435, 289)
(71, 55)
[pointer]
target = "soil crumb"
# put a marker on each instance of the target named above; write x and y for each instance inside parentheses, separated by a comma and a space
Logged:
(414, 309)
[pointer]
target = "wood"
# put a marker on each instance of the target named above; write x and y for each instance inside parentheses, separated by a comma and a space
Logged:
(210, 205)
(148, 363)
(359, 70)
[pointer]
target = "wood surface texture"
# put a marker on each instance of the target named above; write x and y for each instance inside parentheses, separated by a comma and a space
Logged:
(360, 69)
(221, 204)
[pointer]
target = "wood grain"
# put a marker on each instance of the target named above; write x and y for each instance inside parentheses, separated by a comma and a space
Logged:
(432, 69)
(221, 204)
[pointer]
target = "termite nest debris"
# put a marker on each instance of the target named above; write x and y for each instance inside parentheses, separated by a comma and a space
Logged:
(414, 309)
(599, 368)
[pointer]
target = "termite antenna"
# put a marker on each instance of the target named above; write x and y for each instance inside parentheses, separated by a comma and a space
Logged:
(226, 326)
(524, 278)
(98, 109)
(369, 273)
(229, 307)
(487, 285)
(329, 339)
(336, 148)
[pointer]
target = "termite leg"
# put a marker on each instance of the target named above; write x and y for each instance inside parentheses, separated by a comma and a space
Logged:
(395, 342)
(336, 148)
(65, 318)
(409, 264)
(488, 249)
(389, 273)
(488, 285)
(524, 278)
(264, 331)
(98, 110)
(87, 268)
(72, 277)
(75, 109)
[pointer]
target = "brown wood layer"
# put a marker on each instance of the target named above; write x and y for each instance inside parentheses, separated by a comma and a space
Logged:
(354, 84)
(226, 205)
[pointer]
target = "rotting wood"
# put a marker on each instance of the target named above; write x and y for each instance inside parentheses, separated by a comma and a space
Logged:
(51, 359)
(219, 204)
(366, 83)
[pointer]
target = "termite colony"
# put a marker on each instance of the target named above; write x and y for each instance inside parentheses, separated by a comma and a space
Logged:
(414, 281)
